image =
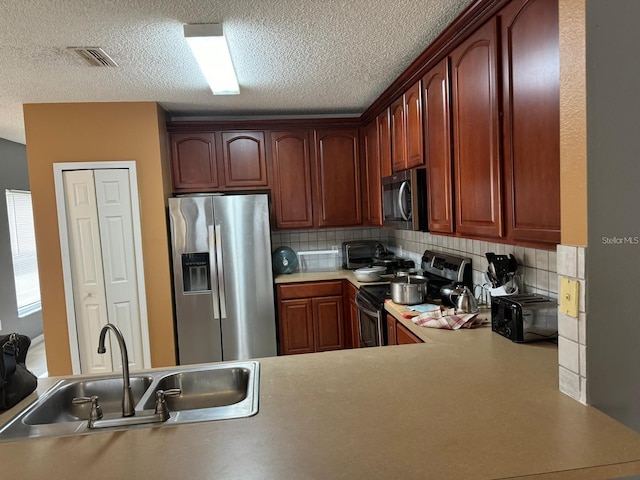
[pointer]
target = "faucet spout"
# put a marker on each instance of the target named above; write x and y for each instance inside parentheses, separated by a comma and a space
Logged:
(127, 394)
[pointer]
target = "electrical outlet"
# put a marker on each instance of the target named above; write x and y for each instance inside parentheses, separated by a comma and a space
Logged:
(569, 290)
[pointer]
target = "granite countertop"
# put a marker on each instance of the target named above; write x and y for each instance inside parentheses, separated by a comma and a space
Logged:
(468, 404)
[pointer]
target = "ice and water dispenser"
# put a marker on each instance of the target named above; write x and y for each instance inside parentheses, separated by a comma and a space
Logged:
(196, 272)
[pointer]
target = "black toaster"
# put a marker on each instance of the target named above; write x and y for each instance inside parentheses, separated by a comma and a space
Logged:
(525, 317)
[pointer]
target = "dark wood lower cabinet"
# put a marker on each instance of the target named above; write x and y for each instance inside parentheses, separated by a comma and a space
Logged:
(328, 326)
(323, 316)
(296, 326)
(310, 317)
(404, 335)
(351, 330)
(391, 331)
(398, 334)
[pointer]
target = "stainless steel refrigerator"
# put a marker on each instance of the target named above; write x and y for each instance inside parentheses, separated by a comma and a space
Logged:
(223, 281)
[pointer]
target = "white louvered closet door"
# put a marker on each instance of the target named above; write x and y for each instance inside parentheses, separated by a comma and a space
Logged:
(103, 266)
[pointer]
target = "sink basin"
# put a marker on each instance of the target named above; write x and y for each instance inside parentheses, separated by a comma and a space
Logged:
(58, 407)
(204, 388)
(208, 392)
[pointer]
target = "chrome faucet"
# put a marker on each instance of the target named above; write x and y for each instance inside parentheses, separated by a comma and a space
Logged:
(127, 395)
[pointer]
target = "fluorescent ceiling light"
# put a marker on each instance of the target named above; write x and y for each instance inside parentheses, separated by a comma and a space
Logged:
(212, 53)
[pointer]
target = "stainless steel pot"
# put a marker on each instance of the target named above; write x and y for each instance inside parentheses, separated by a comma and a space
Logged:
(409, 290)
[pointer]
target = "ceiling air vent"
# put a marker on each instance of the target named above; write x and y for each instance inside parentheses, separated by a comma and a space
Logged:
(94, 56)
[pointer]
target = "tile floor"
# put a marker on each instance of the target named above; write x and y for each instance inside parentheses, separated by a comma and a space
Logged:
(37, 360)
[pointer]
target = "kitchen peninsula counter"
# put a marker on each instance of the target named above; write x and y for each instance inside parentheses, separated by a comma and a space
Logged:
(467, 405)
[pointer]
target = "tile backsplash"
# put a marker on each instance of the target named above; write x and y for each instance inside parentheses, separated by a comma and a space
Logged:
(572, 331)
(305, 240)
(537, 268)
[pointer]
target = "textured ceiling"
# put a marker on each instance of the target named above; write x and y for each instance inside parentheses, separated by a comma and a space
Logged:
(292, 57)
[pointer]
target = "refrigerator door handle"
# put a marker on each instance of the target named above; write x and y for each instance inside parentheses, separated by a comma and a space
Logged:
(219, 261)
(212, 273)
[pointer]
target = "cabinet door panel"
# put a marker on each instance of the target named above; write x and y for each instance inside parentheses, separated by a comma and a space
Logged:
(531, 86)
(391, 331)
(328, 323)
(372, 187)
(404, 336)
(296, 327)
(437, 138)
(413, 126)
(193, 159)
(352, 337)
(337, 178)
(398, 136)
(244, 158)
(290, 291)
(384, 141)
(476, 134)
(292, 179)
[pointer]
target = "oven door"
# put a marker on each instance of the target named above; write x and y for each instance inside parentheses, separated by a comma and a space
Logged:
(369, 323)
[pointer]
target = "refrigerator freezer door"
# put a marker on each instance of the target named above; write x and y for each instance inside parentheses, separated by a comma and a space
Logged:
(195, 280)
(243, 247)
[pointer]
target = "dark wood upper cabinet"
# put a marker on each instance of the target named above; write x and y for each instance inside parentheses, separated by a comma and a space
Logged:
(384, 142)
(406, 130)
(531, 116)
(337, 178)
(214, 161)
(437, 147)
(413, 126)
(476, 130)
(244, 158)
(398, 135)
(193, 161)
(371, 184)
(291, 187)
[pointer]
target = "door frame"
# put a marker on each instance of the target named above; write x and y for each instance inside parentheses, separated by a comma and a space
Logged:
(130, 165)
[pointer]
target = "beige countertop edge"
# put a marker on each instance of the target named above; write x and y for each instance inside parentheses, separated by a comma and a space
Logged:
(486, 409)
(318, 277)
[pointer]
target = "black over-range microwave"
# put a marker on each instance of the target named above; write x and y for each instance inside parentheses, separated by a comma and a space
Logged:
(404, 200)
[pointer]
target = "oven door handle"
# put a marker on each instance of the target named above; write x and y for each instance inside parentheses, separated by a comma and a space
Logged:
(363, 308)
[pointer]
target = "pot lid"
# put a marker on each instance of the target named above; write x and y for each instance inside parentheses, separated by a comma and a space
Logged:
(370, 269)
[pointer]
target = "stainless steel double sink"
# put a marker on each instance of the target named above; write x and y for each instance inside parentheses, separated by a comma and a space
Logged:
(207, 392)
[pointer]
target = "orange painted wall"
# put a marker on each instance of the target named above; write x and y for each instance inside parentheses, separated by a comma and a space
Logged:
(87, 132)
(573, 123)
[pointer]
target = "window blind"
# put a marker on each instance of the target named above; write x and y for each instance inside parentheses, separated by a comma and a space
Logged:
(23, 251)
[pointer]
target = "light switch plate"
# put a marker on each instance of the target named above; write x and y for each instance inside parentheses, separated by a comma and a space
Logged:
(569, 290)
